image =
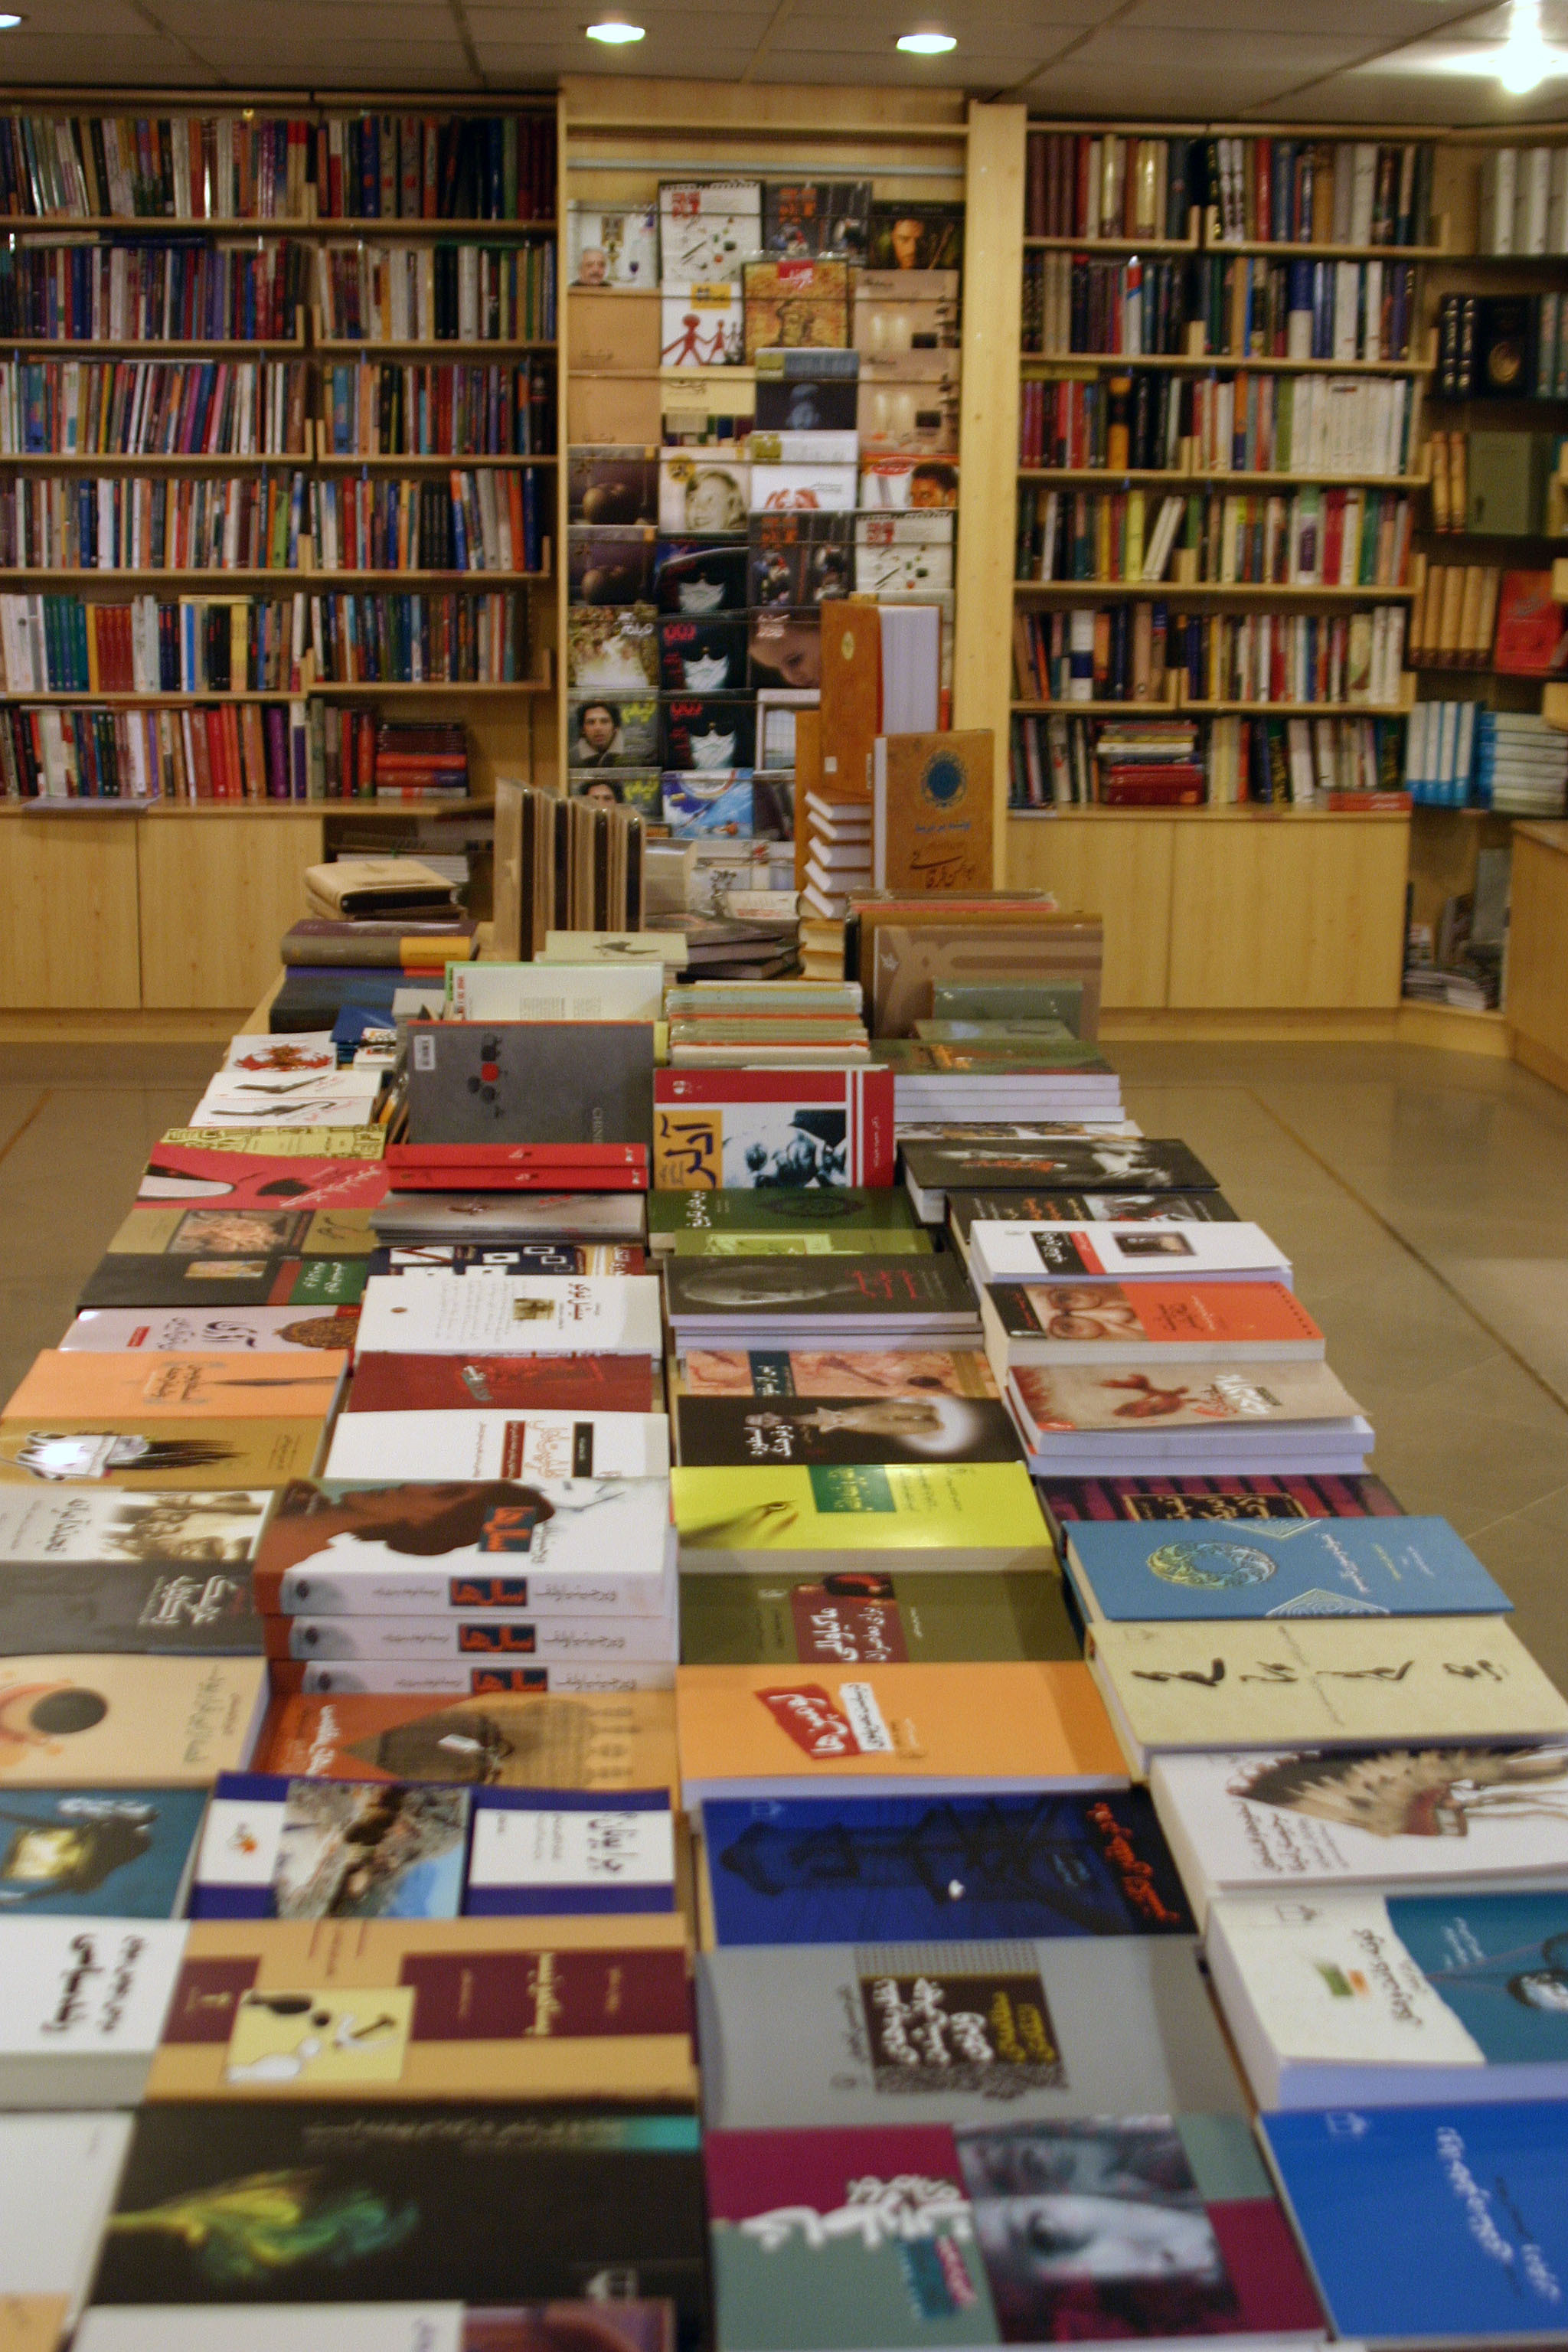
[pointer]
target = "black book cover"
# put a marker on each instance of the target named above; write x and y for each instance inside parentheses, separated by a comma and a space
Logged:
(690, 576)
(1067, 1501)
(702, 657)
(406, 2203)
(122, 1279)
(831, 1288)
(1084, 1208)
(165, 1607)
(530, 1081)
(725, 1431)
(1079, 1163)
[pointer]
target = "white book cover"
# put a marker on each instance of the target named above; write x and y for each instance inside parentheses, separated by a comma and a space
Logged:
(312, 1050)
(1005, 1251)
(510, 1216)
(511, 1315)
(486, 1642)
(57, 2178)
(465, 1677)
(532, 1852)
(556, 991)
(185, 1330)
(501, 1444)
(284, 2327)
(84, 2006)
(346, 1100)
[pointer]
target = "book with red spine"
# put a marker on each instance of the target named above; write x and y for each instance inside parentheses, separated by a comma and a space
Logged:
(563, 1176)
(749, 1129)
(389, 1384)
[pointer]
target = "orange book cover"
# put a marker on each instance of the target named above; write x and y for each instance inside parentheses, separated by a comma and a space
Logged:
(430, 2009)
(511, 1738)
(229, 1385)
(931, 812)
(851, 694)
(1009, 1727)
(1178, 1322)
(807, 778)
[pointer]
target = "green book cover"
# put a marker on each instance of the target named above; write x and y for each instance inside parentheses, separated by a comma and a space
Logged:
(862, 1617)
(1050, 1000)
(844, 1208)
(902, 1241)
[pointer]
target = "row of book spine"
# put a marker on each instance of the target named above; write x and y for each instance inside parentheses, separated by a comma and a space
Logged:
(1105, 184)
(1248, 305)
(1057, 760)
(154, 293)
(1361, 192)
(436, 293)
(1313, 538)
(385, 408)
(1142, 652)
(1153, 421)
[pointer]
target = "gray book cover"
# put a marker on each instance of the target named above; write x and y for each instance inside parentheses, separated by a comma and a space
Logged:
(184, 1607)
(830, 2036)
(531, 1082)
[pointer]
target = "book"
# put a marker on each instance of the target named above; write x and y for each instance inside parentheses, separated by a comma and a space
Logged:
(142, 1451)
(1107, 1164)
(493, 1740)
(388, 1383)
(483, 1641)
(1067, 1501)
(530, 1081)
(931, 810)
(552, 993)
(241, 1178)
(827, 1299)
(1382, 1817)
(181, 1330)
(758, 1130)
(871, 1868)
(1319, 1683)
(1365, 1999)
(552, 1854)
(112, 1853)
(150, 1608)
(736, 1431)
(396, 2202)
(86, 1721)
(964, 1210)
(152, 1229)
(85, 2001)
(1280, 1567)
(949, 2032)
(516, 1671)
(576, 1548)
(1279, 1418)
(430, 2009)
(311, 1285)
(964, 1515)
(1039, 1324)
(940, 1730)
(227, 1385)
(56, 2183)
(540, 1315)
(1157, 2227)
(167, 1530)
(557, 2327)
(477, 1221)
(280, 1848)
(1021, 1251)
(841, 1616)
(817, 1211)
(476, 1446)
(833, 1372)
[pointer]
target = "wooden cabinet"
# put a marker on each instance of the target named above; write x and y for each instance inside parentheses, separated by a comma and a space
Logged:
(217, 894)
(1537, 1004)
(70, 938)
(1116, 864)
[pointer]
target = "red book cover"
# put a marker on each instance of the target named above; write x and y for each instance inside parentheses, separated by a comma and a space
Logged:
(1530, 637)
(1334, 536)
(746, 1129)
(474, 1383)
(249, 1179)
(456, 1156)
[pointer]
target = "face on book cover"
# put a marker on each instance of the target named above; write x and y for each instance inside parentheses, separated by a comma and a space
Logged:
(417, 1521)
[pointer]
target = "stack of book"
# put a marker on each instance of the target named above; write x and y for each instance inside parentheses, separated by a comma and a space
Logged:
(421, 760)
(836, 831)
(730, 1025)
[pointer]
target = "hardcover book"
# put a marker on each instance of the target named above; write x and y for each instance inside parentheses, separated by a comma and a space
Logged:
(220, 1174)
(1146, 1322)
(89, 1722)
(56, 2183)
(939, 1729)
(1282, 1568)
(950, 2031)
(146, 1451)
(476, 1446)
(536, 1315)
(281, 1848)
(396, 2202)
(181, 1330)
(231, 1385)
(387, 1383)
(767, 1430)
(842, 1616)
(580, 1547)
(931, 814)
(530, 1081)
(834, 1372)
(112, 1853)
(964, 1515)
(85, 2001)
(791, 1130)
(440, 2009)
(498, 1739)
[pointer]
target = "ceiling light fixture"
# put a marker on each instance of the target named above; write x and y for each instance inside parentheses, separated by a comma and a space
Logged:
(614, 32)
(1526, 62)
(926, 44)
(9, 24)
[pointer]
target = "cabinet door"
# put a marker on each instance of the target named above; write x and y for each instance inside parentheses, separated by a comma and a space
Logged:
(68, 938)
(217, 894)
(1297, 913)
(1116, 866)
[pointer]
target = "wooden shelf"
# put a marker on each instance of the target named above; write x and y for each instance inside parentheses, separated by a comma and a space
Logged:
(1214, 710)
(157, 226)
(338, 462)
(76, 460)
(366, 346)
(331, 688)
(334, 688)
(1209, 813)
(294, 580)
(1300, 252)
(1108, 478)
(1178, 591)
(1090, 246)
(1216, 363)
(49, 804)
(147, 347)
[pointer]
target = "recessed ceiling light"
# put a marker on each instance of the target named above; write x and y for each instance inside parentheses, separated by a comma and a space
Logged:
(926, 44)
(614, 32)
(9, 24)
(1526, 62)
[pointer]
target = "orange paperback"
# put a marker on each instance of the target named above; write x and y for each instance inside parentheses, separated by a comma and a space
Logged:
(232, 1385)
(1173, 1322)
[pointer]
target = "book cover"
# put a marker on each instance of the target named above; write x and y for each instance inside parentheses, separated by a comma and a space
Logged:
(432, 2009)
(473, 1222)
(954, 2031)
(1064, 1501)
(931, 800)
(530, 1081)
(1317, 1682)
(230, 1385)
(58, 2175)
(1157, 1209)
(834, 1372)
(946, 1729)
(530, 1315)
(280, 1848)
(222, 1175)
(786, 1130)
(1054, 2231)
(303, 1143)
(770, 1212)
(835, 1870)
(1018, 1251)
(476, 1446)
(387, 1383)
(1073, 1163)
(559, 2326)
(311, 1285)
(841, 1616)
(1282, 1567)
(85, 2000)
(498, 1739)
(396, 2202)
(1062, 1398)
(563, 1546)
(1157, 1322)
(87, 1722)
(552, 1853)
(166, 1530)
(464, 1645)
(183, 1331)
(111, 1853)
(148, 1451)
(1460, 2234)
(979, 1513)
(142, 1606)
(790, 1291)
(929, 1429)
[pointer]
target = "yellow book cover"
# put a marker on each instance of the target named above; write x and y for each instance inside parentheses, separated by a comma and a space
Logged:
(941, 1514)
(931, 812)
(851, 693)
(776, 1731)
(430, 2009)
(175, 1229)
(284, 1142)
(1321, 1683)
(150, 1450)
(232, 1385)
(80, 1721)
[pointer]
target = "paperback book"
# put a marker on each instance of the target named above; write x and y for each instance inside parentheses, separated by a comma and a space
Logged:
(472, 1220)
(1280, 1567)
(1025, 1252)
(150, 1608)
(220, 1174)
(146, 1452)
(525, 1314)
(761, 1130)
(1067, 1501)
(803, 1298)
(497, 1740)
(182, 1331)
(229, 1385)
(962, 1514)
(1145, 1323)
(718, 1430)
(770, 1212)
(844, 1616)
(175, 1230)
(85, 2001)
(97, 1853)
(57, 2182)
(280, 1848)
(1235, 1418)
(558, 2327)
(1030, 1208)
(1114, 1164)
(833, 1372)
(198, 1285)
(477, 1446)
(530, 1081)
(94, 1722)
(423, 1384)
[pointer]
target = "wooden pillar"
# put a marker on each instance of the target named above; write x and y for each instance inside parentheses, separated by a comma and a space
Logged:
(988, 436)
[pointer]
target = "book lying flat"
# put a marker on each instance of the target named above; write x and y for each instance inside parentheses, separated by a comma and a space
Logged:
(1068, 1500)
(56, 2183)
(411, 1257)
(504, 1314)
(530, 1081)
(1100, 1164)
(379, 2326)
(840, 1616)
(215, 1175)
(85, 2001)
(965, 1209)
(229, 1384)
(311, 1285)
(893, 1295)
(111, 1853)
(280, 1848)
(816, 1210)
(438, 1678)
(305, 1143)
(767, 1430)
(182, 1331)
(490, 1639)
(1280, 1567)
(504, 1445)
(473, 1219)
(1007, 1250)
(387, 1383)
(772, 1129)
(626, 1741)
(81, 1721)
(147, 1451)
(1190, 1409)
(157, 1608)
(964, 1515)
(1145, 1323)
(833, 1372)
(217, 1230)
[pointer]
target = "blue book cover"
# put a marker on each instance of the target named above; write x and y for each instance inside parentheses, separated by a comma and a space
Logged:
(278, 1848)
(1429, 2224)
(861, 1870)
(1142, 1571)
(112, 1853)
(1500, 1962)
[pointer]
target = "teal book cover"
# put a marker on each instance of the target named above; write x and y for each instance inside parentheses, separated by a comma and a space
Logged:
(1131, 1571)
(1500, 1963)
(114, 1853)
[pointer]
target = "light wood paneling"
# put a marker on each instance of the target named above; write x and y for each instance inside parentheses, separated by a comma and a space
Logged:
(988, 436)
(1118, 868)
(1298, 911)
(68, 885)
(1538, 946)
(215, 900)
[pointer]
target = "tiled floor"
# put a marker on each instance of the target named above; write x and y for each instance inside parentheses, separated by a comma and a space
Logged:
(1423, 1197)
